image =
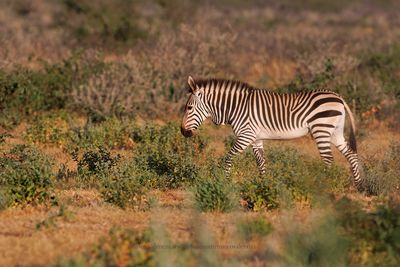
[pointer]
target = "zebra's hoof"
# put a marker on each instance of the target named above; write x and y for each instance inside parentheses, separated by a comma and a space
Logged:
(361, 188)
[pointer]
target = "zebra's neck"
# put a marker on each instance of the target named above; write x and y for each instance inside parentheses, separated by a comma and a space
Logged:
(226, 100)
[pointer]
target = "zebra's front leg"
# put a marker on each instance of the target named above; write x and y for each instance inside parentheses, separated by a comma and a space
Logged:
(241, 143)
(258, 151)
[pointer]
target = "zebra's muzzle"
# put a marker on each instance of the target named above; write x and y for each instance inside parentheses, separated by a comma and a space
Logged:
(186, 133)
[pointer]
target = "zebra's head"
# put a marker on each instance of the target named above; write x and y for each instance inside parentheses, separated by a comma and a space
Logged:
(195, 109)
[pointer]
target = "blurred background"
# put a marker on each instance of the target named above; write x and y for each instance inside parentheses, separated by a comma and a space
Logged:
(95, 172)
(148, 48)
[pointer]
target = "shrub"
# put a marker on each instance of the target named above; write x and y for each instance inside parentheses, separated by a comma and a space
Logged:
(26, 176)
(378, 95)
(120, 182)
(171, 157)
(254, 228)
(50, 127)
(215, 193)
(331, 179)
(260, 193)
(122, 247)
(382, 176)
(110, 93)
(111, 133)
(94, 164)
(162, 68)
(123, 187)
(59, 128)
(375, 235)
(25, 91)
(173, 171)
(384, 65)
(289, 168)
(290, 176)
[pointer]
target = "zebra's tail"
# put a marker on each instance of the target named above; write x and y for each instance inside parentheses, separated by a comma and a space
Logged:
(353, 143)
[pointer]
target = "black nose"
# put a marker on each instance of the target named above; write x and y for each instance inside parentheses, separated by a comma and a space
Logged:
(186, 133)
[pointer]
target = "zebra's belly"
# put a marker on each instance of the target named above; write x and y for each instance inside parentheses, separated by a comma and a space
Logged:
(268, 134)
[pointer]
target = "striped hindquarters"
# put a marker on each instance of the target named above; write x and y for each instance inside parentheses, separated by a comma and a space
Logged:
(287, 113)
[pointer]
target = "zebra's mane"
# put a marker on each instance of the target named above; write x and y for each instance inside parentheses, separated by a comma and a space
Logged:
(232, 83)
(243, 85)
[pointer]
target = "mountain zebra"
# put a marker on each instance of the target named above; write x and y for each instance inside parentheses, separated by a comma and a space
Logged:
(257, 114)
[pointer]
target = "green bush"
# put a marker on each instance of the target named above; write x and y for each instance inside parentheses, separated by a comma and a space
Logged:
(291, 169)
(254, 228)
(290, 176)
(122, 247)
(166, 153)
(123, 187)
(24, 91)
(26, 176)
(50, 127)
(93, 165)
(384, 66)
(375, 235)
(382, 176)
(380, 93)
(120, 181)
(111, 133)
(59, 128)
(214, 193)
(260, 193)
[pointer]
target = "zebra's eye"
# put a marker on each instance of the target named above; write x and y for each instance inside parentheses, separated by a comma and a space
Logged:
(189, 108)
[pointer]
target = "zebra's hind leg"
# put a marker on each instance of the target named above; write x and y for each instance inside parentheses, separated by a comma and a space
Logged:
(258, 151)
(323, 140)
(351, 156)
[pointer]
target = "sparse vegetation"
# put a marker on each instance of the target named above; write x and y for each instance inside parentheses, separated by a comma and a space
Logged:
(260, 193)
(320, 245)
(91, 95)
(382, 176)
(290, 177)
(165, 153)
(51, 220)
(374, 234)
(24, 91)
(255, 228)
(123, 186)
(214, 193)
(120, 247)
(93, 165)
(25, 177)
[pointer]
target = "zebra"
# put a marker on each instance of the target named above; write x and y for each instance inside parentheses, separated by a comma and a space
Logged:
(259, 114)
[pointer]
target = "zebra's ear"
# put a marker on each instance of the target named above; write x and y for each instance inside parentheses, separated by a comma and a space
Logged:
(192, 84)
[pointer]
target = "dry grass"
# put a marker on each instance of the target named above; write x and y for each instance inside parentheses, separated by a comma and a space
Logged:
(92, 218)
(66, 239)
(266, 44)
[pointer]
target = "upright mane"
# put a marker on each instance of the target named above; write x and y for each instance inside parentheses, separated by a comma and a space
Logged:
(233, 83)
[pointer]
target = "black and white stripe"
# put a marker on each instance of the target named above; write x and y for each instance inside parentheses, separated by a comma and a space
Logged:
(257, 115)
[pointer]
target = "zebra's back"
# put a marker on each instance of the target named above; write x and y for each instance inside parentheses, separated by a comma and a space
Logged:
(286, 116)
